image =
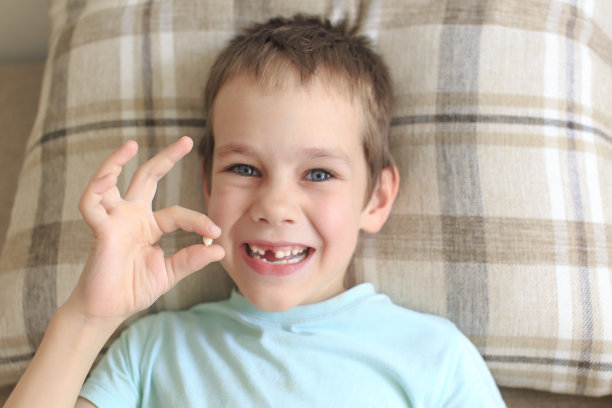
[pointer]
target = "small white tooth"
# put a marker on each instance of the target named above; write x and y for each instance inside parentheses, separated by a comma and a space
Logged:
(287, 253)
(257, 250)
(279, 254)
(207, 241)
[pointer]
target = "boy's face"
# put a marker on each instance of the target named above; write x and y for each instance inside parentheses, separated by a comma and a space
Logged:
(287, 188)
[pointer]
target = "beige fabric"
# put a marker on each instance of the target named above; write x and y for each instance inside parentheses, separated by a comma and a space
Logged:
(502, 133)
(19, 90)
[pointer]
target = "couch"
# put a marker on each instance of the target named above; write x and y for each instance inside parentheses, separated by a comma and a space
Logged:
(24, 133)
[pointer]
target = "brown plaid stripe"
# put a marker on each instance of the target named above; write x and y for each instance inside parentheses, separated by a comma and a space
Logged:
(502, 133)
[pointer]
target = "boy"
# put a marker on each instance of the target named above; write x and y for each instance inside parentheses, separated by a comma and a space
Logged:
(296, 163)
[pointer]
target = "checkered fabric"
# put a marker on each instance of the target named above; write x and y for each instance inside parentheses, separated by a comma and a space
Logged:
(502, 132)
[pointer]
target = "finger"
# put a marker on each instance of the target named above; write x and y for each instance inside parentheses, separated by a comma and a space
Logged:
(172, 218)
(111, 197)
(144, 182)
(90, 205)
(115, 161)
(192, 259)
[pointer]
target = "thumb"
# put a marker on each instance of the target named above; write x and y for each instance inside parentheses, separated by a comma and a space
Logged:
(191, 259)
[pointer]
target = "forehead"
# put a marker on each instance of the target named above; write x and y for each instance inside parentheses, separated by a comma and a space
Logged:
(312, 116)
(278, 73)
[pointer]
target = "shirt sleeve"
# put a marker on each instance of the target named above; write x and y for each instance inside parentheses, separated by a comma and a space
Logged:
(469, 382)
(114, 381)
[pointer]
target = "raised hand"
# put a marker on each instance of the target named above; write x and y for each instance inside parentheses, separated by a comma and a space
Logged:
(127, 270)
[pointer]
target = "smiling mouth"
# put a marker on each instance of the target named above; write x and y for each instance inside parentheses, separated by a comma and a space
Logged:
(278, 256)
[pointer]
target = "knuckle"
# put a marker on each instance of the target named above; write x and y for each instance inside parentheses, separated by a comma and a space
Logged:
(139, 173)
(83, 202)
(82, 206)
(174, 209)
(145, 172)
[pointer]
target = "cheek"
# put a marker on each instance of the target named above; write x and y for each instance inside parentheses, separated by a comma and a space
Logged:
(336, 217)
(223, 207)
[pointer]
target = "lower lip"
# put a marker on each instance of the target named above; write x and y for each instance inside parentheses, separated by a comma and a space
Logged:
(266, 269)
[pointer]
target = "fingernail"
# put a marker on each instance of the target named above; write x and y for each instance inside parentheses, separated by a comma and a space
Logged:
(215, 230)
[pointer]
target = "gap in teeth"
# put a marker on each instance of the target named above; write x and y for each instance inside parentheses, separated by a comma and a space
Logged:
(298, 255)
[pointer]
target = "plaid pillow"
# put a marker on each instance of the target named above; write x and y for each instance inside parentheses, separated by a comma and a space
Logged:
(502, 133)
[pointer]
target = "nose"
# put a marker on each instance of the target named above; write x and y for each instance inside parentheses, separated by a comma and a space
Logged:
(276, 203)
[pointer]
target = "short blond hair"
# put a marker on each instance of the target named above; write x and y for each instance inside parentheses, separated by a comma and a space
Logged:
(282, 50)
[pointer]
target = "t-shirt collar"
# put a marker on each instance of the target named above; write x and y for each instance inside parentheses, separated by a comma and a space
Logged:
(322, 309)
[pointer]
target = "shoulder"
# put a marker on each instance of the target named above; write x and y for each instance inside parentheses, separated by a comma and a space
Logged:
(413, 335)
(462, 374)
(168, 324)
(154, 337)
(443, 354)
(380, 311)
(159, 322)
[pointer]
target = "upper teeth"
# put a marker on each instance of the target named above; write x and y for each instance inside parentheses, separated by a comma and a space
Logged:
(257, 250)
(279, 253)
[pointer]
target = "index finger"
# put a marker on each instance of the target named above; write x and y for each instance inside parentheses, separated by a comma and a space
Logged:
(144, 181)
(114, 162)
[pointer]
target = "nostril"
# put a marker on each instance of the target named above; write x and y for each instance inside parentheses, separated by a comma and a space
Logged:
(277, 216)
(276, 204)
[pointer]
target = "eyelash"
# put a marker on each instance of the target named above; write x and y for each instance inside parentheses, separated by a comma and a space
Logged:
(239, 169)
(236, 168)
(327, 175)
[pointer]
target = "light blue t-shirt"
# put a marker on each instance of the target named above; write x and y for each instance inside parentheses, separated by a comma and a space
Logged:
(355, 350)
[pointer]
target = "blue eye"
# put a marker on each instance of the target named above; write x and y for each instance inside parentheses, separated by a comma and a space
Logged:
(244, 170)
(318, 175)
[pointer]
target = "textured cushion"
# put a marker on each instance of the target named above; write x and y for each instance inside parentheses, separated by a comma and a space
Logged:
(502, 133)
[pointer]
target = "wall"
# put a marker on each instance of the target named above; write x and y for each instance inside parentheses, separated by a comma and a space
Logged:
(24, 30)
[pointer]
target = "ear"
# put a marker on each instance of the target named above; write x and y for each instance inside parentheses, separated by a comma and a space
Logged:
(377, 211)
(205, 185)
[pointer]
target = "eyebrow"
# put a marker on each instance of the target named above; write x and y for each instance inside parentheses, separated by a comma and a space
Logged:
(318, 153)
(234, 148)
(310, 153)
